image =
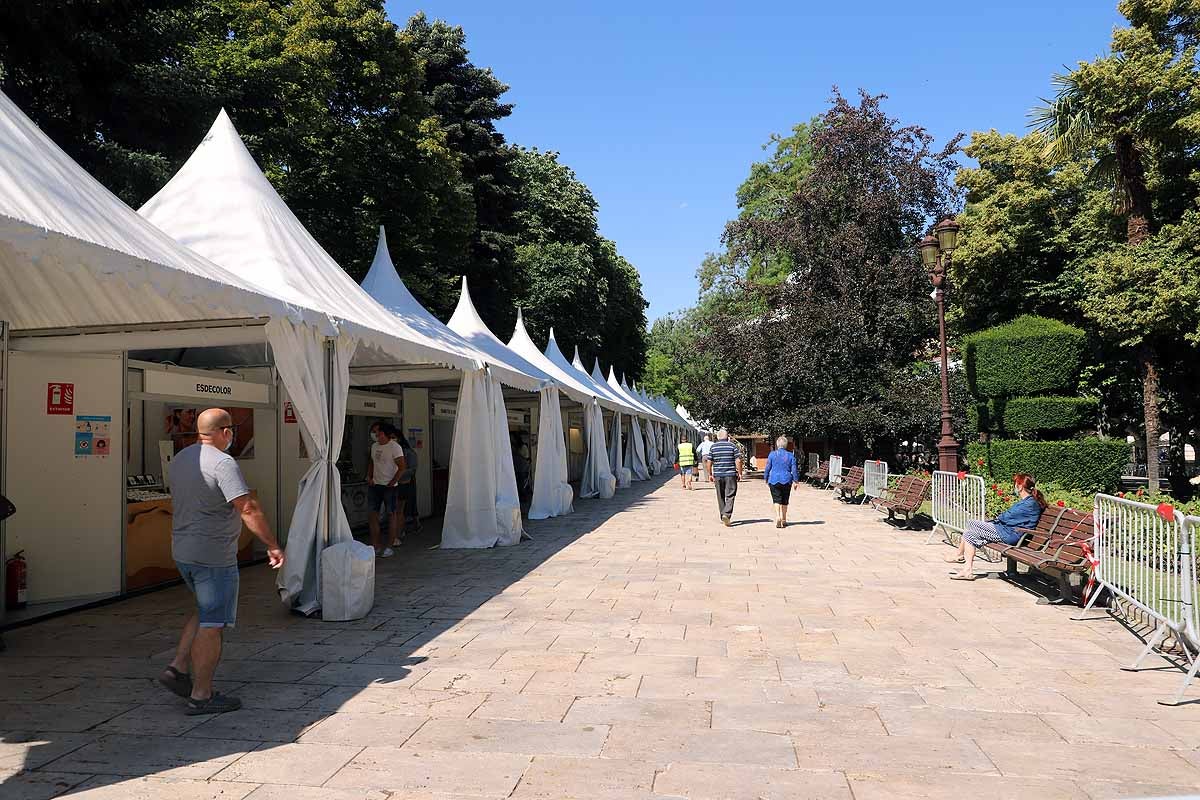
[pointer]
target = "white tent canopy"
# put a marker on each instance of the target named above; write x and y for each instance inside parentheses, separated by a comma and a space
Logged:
(598, 384)
(522, 344)
(512, 368)
(552, 492)
(483, 477)
(221, 205)
(73, 256)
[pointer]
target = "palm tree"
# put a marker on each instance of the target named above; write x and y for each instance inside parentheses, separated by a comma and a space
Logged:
(1072, 129)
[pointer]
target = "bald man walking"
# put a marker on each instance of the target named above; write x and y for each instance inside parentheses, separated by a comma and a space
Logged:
(210, 503)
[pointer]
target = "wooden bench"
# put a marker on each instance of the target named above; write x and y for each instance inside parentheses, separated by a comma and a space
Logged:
(906, 497)
(821, 476)
(1054, 547)
(852, 481)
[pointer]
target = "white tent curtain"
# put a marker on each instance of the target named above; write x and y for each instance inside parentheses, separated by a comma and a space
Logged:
(508, 501)
(619, 470)
(653, 463)
(471, 515)
(552, 494)
(300, 357)
(598, 479)
(635, 451)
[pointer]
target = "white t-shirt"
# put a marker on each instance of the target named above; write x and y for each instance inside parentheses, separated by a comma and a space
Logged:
(384, 456)
(703, 448)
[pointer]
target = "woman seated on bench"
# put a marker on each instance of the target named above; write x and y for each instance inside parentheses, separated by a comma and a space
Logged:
(1022, 514)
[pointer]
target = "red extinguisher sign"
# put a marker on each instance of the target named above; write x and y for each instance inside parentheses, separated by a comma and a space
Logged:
(60, 398)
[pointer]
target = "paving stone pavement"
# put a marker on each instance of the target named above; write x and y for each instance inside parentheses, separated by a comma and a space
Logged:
(635, 649)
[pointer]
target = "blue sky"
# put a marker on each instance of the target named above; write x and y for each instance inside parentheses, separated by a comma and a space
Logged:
(660, 107)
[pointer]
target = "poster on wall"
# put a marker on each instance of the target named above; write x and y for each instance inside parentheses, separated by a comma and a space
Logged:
(91, 436)
(180, 427)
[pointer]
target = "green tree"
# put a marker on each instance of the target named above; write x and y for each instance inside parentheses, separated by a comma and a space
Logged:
(467, 101)
(574, 280)
(1026, 219)
(813, 355)
(1138, 109)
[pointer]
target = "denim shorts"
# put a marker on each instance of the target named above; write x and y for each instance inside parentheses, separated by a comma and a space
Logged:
(381, 496)
(686, 470)
(216, 592)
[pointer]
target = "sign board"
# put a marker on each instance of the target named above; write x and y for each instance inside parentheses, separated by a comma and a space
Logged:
(517, 418)
(220, 390)
(289, 413)
(373, 404)
(443, 410)
(60, 398)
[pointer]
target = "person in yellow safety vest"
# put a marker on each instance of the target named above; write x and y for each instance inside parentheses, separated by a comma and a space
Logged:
(687, 462)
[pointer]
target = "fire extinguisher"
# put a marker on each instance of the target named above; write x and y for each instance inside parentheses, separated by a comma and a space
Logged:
(15, 581)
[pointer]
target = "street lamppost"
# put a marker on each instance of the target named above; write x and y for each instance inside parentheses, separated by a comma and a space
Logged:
(936, 249)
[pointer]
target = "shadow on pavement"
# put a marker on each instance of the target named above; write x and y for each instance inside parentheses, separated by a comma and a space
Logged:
(80, 707)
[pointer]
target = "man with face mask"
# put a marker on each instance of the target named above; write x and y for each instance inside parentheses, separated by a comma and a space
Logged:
(210, 503)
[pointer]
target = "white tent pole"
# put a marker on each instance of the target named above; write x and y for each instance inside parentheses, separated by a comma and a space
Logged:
(328, 522)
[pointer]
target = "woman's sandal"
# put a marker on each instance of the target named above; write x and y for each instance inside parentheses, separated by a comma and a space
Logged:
(959, 577)
(176, 682)
(956, 560)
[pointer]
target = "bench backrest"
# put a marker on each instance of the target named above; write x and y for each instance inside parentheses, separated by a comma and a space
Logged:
(1059, 527)
(853, 479)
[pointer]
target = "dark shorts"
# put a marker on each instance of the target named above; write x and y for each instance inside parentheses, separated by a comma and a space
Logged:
(780, 493)
(384, 496)
(216, 593)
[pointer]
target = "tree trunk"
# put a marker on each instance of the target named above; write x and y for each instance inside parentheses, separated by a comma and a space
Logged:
(1148, 362)
(1136, 202)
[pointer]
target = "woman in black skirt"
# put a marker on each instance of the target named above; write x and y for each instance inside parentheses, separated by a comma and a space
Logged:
(780, 473)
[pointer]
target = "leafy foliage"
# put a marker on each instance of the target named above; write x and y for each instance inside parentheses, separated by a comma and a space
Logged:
(355, 122)
(1029, 355)
(811, 353)
(1091, 464)
(1032, 415)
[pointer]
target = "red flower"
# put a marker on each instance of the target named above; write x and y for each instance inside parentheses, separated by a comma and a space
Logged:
(1166, 511)
(996, 486)
(1061, 504)
(1141, 492)
(961, 474)
(1121, 494)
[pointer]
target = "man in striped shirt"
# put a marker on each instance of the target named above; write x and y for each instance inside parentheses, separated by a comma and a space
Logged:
(725, 465)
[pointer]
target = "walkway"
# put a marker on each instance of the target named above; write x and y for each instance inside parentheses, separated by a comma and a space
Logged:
(634, 650)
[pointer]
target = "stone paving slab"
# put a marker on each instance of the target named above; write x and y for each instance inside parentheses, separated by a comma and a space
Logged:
(636, 649)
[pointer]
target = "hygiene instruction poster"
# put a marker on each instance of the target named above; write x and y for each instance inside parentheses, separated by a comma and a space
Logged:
(91, 436)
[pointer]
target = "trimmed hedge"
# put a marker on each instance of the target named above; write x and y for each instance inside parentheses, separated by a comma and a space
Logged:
(1030, 355)
(1034, 414)
(1088, 465)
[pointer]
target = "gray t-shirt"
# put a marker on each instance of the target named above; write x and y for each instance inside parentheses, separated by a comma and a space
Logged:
(205, 525)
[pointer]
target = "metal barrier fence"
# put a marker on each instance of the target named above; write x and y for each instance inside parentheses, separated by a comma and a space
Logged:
(875, 478)
(956, 502)
(1145, 556)
(835, 471)
(814, 463)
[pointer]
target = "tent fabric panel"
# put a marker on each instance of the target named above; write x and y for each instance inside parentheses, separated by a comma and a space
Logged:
(300, 358)
(552, 493)
(471, 515)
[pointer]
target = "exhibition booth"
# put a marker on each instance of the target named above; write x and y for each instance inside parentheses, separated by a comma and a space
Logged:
(118, 329)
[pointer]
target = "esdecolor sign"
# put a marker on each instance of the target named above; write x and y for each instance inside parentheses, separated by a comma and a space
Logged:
(220, 390)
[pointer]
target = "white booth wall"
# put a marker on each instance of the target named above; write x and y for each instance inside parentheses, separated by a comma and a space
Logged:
(72, 547)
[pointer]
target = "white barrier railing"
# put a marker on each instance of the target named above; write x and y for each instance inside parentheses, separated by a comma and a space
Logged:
(875, 478)
(835, 471)
(956, 502)
(814, 463)
(1145, 556)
